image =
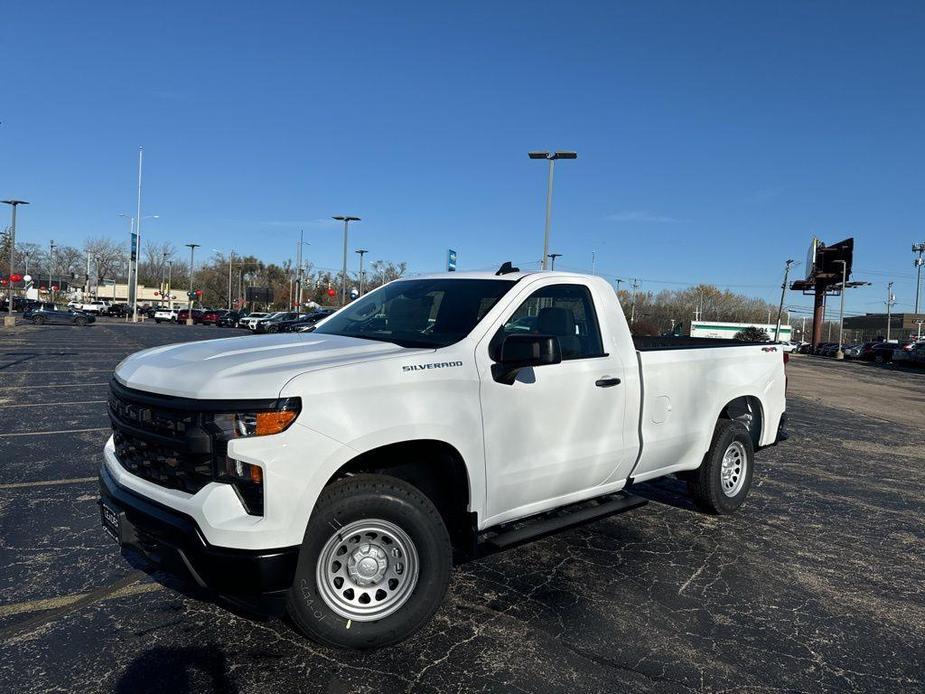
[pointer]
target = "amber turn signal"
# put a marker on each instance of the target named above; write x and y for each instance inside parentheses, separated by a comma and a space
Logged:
(274, 422)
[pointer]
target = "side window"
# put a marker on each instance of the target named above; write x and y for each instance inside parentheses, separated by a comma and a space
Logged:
(563, 310)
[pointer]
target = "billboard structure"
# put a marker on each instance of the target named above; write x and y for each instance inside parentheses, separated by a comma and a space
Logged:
(827, 266)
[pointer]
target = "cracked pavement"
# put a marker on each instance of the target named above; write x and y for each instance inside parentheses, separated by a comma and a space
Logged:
(817, 584)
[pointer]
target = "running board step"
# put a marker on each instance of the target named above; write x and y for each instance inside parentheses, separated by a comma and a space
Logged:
(547, 525)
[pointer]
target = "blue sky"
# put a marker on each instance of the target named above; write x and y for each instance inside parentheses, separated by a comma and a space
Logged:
(714, 138)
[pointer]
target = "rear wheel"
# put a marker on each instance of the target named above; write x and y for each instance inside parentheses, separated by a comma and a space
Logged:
(80, 320)
(374, 565)
(38, 320)
(724, 478)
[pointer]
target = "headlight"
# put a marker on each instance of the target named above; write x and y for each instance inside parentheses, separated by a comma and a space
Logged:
(247, 479)
(235, 425)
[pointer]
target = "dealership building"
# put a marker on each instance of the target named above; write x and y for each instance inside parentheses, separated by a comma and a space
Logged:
(871, 326)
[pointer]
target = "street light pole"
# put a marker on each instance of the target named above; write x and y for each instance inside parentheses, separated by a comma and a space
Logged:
(919, 262)
(362, 276)
(51, 267)
(890, 300)
(783, 291)
(552, 257)
(346, 219)
(192, 249)
(137, 239)
(551, 157)
(839, 354)
(9, 321)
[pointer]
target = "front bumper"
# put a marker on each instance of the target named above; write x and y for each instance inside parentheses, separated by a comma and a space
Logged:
(174, 541)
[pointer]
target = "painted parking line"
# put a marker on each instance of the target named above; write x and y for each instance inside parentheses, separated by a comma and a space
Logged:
(55, 404)
(68, 600)
(47, 483)
(49, 433)
(58, 385)
(48, 610)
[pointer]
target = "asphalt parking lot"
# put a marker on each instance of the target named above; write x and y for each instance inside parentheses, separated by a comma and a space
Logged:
(818, 583)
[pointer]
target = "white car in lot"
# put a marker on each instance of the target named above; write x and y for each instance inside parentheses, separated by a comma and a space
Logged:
(250, 321)
(163, 315)
(436, 417)
(97, 308)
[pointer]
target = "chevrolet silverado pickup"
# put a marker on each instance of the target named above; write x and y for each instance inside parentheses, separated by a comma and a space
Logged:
(344, 470)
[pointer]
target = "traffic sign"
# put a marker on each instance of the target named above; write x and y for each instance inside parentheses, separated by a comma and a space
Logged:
(451, 260)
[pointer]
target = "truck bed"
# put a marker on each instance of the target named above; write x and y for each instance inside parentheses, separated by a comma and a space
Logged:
(645, 343)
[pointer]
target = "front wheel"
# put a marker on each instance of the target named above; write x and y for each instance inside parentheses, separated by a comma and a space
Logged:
(81, 321)
(724, 478)
(374, 565)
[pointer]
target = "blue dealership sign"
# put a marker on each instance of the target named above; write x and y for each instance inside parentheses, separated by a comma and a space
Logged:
(451, 260)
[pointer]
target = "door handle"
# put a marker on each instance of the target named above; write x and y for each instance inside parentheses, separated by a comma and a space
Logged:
(607, 382)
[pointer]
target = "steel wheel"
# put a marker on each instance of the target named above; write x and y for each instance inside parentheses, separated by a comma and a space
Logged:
(732, 472)
(367, 570)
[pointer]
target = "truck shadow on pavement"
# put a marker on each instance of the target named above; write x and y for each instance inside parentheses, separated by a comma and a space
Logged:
(179, 670)
(666, 490)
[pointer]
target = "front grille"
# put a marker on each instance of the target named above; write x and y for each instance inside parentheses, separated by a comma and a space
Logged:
(163, 465)
(162, 444)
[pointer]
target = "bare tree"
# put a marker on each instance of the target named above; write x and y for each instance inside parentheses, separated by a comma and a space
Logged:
(107, 256)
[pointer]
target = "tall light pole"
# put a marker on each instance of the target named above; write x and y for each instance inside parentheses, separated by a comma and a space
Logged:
(300, 274)
(551, 157)
(51, 266)
(890, 300)
(362, 276)
(346, 219)
(137, 239)
(783, 291)
(192, 249)
(230, 261)
(552, 257)
(839, 354)
(169, 284)
(919, 262)
(633, 306)
(9, 321)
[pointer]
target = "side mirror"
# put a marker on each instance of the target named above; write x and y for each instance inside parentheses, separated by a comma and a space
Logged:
(524, 351)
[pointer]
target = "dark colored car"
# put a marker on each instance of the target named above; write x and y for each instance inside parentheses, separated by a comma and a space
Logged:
(119, 310)
(882, 352)
(271, 325)
(230, 319)
(917, 354)
(211, 316)
(57, 315)
(302, 321)
(183, 314)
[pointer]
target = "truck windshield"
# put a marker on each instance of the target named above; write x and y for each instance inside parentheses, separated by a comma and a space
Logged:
(418, 313)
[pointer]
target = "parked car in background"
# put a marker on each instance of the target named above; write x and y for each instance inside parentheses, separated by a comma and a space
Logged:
(882, 352)
(165, 315)
(805, 348)
(184, 313)
(231, 319)
(249, 321)
(917, 354)
(271, 324)
(119, 310)
(211, 316)
(57, 315)
(853, 351)
(304, 320)
(96, 308)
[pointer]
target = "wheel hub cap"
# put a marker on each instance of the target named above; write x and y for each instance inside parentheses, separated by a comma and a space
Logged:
(367, 570)
(732, 471)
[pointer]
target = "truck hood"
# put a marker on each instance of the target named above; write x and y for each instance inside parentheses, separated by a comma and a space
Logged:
(256, 366)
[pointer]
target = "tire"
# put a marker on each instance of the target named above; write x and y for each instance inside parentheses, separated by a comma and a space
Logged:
(80, 321)
(38, 320)
(706, 485)
(273, 329)
(401, 519)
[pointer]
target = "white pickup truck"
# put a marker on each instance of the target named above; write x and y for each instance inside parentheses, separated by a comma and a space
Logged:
(97, 308)
(433, 419)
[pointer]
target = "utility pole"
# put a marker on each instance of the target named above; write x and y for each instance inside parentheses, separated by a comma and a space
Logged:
(51, 266)
(553, 257)
(551, 158)
(346, 219)
(169, 290)
(919, 262)
(890, 300)
(9, 321)
(783, 291)
(192, 249)
(300, 273)
(362, 275)
(230, 261)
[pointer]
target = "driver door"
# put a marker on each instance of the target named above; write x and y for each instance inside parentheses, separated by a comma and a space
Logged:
(557, 431)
